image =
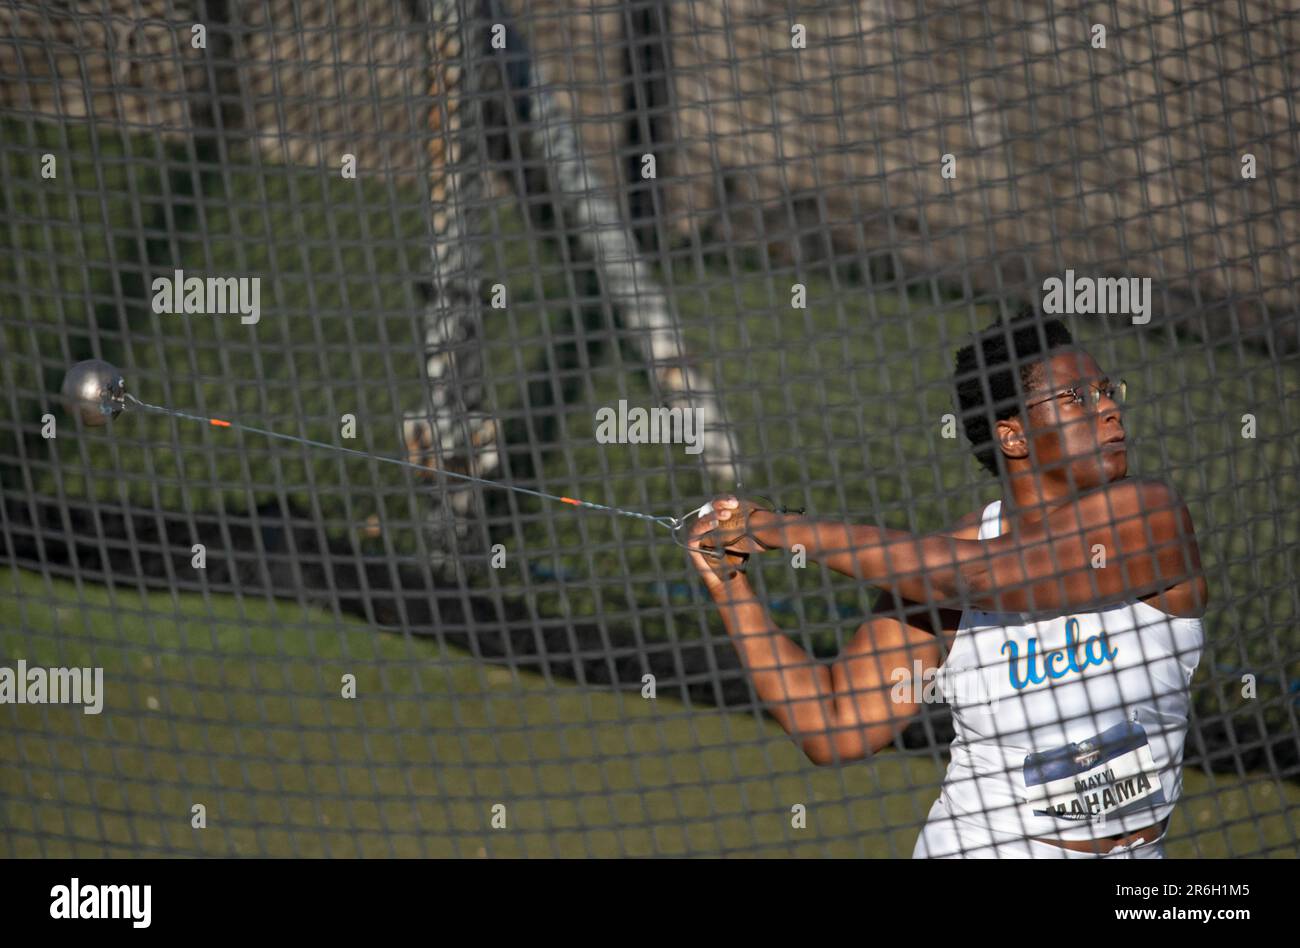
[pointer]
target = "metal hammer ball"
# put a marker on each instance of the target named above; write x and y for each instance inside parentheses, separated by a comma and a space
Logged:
(94, 391)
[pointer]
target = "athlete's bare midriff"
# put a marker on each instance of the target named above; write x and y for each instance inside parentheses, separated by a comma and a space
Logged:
(1104, 844)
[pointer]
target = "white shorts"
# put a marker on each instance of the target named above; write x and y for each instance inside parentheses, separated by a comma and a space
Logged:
(943, 837)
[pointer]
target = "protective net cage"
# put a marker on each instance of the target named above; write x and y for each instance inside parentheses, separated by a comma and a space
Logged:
(468, 235)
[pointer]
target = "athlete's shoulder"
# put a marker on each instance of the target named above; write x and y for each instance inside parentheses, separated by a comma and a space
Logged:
(1153, 514)
(967, 527)
(1128, 496)
(924, 617)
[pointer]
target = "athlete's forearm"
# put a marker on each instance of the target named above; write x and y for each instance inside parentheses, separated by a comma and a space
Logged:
(924, 569)
(795, 687)
(1113, 545)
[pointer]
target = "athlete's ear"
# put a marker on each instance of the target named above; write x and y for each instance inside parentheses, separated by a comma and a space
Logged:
(1011, 438)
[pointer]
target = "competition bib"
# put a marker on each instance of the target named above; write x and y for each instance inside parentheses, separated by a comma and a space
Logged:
(1101, 777)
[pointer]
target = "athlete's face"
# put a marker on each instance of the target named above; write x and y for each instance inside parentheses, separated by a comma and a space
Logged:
(1077, 446)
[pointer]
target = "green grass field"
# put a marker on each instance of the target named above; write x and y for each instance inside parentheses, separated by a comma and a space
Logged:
(843, 402)
(238, 707)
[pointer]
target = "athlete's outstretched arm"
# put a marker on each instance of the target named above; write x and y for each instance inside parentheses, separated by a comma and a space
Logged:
(1140, 529)
(793, 686)
(845, 710)
(834, 712)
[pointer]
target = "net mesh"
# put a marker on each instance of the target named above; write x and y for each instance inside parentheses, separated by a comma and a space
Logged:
(469, 235)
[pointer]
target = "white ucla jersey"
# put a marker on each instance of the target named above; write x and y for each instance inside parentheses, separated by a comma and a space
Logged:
(1071, 726)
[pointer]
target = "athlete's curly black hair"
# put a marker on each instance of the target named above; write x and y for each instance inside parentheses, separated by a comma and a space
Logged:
(1022, 343)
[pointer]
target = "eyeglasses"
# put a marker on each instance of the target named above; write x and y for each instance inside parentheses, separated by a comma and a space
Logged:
(1092, 395)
